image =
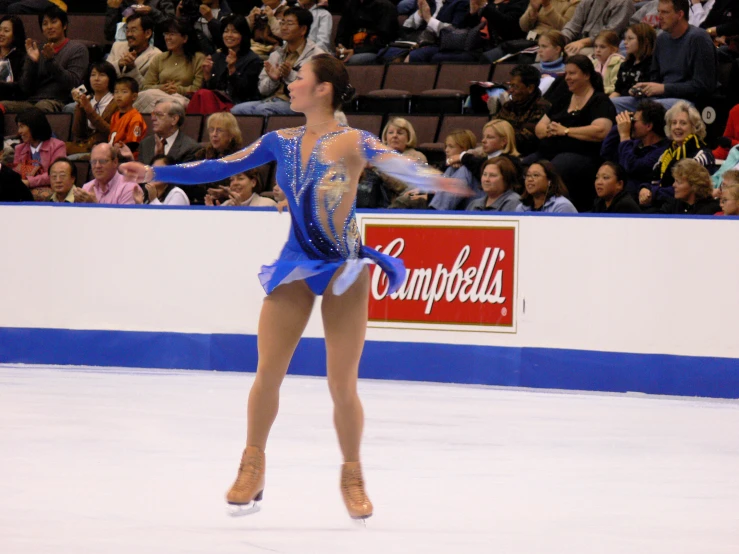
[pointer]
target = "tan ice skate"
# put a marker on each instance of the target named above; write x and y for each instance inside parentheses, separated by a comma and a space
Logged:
(247, 490)
(352, 490)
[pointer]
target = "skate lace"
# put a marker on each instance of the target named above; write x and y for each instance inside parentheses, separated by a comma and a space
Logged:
(354, 487)
(249, 472)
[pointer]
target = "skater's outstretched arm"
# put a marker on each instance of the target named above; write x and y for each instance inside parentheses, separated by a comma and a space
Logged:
(260, 152)
(419, 175)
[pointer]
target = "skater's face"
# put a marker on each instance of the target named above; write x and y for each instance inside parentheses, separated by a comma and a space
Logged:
(606, 184)
(306, 93)
(397, 138)
(536, 181)
(492, 181)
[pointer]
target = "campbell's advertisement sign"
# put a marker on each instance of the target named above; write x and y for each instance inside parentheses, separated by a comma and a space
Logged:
(460, 273)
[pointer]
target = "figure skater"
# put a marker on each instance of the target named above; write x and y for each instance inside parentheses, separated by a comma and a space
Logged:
(318, 166)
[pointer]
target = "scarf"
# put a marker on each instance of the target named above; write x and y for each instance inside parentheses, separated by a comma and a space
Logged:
(678, 152)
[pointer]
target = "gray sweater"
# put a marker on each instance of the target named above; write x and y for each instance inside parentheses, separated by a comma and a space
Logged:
(55, 78)
(593, 16)
(686, 65)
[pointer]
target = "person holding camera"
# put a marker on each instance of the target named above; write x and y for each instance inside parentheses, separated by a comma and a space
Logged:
(282, 67)
(636, 143)
(683, 65)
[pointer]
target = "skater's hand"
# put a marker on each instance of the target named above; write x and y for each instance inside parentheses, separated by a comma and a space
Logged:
(136, 172)
(456, 187)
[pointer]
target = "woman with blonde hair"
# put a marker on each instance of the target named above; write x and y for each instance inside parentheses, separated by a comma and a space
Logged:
(685, 128)
(456, 142)
(399, 135)
(498, 139)
(224, 138)
(693, 190)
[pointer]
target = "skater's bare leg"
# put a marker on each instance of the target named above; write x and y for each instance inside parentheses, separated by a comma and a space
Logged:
(284, 315)
(345, 324)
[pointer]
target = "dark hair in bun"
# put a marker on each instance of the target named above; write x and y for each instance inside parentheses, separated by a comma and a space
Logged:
(328, 69)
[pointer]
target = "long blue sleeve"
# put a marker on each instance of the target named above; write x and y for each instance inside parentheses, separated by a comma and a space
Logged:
(258, 153)
(396, 165)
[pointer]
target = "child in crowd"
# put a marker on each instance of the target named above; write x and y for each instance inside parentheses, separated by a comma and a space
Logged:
(730, 193)
(639, 40)
(127, 126)
(607, 59)
(552, 58)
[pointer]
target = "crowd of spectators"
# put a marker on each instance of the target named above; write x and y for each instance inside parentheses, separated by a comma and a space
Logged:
(601, 112)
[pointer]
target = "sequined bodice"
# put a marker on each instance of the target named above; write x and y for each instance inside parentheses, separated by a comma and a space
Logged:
(322, 193)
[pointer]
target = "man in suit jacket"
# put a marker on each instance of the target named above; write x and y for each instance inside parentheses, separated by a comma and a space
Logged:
(167, 119)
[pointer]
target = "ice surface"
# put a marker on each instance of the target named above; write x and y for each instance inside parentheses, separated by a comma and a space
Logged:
(137, 462)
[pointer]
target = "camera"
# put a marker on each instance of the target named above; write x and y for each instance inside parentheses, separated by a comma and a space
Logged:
(639, 93)
(82, 89)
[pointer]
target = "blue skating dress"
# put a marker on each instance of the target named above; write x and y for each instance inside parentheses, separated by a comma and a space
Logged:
(324, 236)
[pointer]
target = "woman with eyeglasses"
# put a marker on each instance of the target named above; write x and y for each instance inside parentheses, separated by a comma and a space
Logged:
(224, 138)
(544, 190)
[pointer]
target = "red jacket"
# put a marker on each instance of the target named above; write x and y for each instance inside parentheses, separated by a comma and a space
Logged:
(731, 132)
(51, 150)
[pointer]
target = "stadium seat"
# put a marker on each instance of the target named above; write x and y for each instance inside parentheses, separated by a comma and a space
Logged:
(474, 123)
(364, 79)
(451, 89)
(276, 122)
(366, 122)
(424, 125)
(402, 81)
(61, 125)
(251, 127)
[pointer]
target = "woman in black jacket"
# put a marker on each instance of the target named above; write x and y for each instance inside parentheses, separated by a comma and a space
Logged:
(231, 75)
(12, 57)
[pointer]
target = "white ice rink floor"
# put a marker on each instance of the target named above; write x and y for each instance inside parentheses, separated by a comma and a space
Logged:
(137, 462)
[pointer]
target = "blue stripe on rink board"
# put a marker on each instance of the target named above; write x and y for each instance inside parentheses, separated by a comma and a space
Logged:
(484, 365)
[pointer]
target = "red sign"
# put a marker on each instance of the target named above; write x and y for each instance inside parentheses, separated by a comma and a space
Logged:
(455, 275)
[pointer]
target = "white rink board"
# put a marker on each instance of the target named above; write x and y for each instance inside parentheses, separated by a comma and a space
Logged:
(640, 285)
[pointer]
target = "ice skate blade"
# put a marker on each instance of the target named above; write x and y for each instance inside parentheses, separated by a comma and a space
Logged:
(240, 510)
(361, 521)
